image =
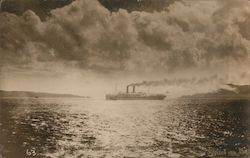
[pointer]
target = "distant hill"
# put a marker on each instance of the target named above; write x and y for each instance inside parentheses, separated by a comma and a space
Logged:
(36, 94)
(233, 92)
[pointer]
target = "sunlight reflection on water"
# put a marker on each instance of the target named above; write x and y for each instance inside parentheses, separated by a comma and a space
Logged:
(99, 128)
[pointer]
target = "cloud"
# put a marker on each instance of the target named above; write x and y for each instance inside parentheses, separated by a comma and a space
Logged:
(139, 5)
(40, 7)
(86, 36)
(43, 7)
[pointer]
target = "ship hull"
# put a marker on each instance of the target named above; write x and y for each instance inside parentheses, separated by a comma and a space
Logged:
(116, 97)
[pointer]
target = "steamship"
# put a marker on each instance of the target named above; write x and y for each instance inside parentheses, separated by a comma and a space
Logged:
(134, 95)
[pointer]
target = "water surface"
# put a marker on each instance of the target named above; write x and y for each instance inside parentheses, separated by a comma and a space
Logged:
(68, 128)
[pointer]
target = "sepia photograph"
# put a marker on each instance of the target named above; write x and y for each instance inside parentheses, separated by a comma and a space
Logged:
(124, 78)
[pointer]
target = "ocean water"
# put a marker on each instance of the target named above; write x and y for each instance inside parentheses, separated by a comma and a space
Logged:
(79, 128)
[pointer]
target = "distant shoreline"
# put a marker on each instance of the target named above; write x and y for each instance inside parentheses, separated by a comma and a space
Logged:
(235, 92)
(210, 98)
(30, 94)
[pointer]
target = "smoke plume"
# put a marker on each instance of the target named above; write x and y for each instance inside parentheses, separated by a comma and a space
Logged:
(181, 81)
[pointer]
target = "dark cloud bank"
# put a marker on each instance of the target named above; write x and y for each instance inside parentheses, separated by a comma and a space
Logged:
(40, 7)
(85, 35)
(43, 7)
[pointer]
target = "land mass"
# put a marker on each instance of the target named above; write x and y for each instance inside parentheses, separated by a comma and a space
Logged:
(232, 92)
(20, 94)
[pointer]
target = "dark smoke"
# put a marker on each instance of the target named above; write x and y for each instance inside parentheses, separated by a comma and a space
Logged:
(179, 81)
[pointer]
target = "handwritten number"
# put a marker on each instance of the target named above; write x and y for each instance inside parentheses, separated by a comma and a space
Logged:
(31, 152)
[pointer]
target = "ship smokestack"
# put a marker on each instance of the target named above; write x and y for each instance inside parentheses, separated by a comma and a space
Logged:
(133, 88)
(127, 89)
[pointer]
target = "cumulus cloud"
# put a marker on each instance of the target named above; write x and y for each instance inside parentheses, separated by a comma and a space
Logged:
(86, 36)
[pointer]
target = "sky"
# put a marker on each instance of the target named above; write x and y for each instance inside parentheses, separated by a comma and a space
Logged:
(90, 47)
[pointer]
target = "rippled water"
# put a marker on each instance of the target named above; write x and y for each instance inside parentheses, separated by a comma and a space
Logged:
(68, 128)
